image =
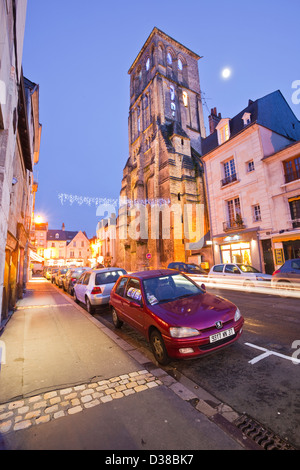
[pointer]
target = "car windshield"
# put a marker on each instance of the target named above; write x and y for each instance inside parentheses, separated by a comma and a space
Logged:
(247, 269)
(167, 288)
(108, 277)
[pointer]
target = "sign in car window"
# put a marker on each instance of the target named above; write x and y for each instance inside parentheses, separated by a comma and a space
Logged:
(134, 294)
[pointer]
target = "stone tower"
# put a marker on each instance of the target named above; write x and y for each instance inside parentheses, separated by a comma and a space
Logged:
(165, 127)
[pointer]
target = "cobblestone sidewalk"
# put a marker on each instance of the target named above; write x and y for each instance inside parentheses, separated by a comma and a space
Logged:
(22, 414)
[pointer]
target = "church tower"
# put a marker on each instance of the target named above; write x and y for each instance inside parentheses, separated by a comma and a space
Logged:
(165, 127)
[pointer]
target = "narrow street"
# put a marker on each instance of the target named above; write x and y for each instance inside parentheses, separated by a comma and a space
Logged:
(68, 382)
(175, 158)
(266, 390)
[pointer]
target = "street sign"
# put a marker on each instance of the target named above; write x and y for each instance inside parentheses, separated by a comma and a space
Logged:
(148, 255)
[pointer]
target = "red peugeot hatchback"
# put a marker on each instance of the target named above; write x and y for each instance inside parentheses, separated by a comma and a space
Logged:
(177, 316)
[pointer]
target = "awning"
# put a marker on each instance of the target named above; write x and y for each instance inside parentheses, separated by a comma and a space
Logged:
(36, 257)
(286, 237)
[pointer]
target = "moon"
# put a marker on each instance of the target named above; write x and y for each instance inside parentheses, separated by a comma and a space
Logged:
(226, 72)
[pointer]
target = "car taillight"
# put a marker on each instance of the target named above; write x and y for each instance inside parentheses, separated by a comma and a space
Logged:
(276, 272)
(96, 290)
(74, 279)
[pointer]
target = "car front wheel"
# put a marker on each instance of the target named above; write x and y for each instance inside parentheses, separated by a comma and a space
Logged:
(158, 348)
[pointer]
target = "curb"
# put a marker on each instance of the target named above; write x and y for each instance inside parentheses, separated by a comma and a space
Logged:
(220, 414)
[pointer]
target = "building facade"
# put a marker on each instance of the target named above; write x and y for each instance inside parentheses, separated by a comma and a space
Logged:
(283, 181)
(61, 247)
(245, 180)
(20, 133)
(163, 176)
(107, 241)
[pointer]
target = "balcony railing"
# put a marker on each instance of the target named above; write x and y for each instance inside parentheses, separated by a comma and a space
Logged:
(292, 176)
(229, 179)
(295, 223)
(231, 225)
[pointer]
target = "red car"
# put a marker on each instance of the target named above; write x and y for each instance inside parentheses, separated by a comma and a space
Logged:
(177, 316)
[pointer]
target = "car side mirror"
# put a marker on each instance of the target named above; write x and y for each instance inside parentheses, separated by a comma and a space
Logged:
(203, 287)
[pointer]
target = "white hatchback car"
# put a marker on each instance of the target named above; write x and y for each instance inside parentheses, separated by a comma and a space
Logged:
(239, 274)
(94, 286)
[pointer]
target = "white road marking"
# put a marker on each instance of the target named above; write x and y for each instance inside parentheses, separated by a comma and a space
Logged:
(267, 353)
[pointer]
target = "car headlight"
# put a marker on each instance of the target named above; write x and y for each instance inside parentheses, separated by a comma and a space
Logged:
(237, 315)
(183, 332)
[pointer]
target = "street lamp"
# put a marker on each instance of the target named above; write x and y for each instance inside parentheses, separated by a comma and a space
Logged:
(39, 219)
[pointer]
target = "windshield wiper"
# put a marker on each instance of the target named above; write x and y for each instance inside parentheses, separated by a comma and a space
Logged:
(186, 295)
(176, 298)
(167, 300)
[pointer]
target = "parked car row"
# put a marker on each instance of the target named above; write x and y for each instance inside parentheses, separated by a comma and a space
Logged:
(168, 307)
(71, 277)
(176, 315)
(286, 277)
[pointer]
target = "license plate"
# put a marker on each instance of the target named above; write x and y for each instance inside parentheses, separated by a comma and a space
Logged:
(221, 335)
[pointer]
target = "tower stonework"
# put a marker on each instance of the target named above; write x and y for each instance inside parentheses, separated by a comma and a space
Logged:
(164, 167)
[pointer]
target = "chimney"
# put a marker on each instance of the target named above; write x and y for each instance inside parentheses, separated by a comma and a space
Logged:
(63, 227)
(213, 120)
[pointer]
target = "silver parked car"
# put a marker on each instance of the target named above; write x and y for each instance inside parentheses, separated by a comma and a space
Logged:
(244, 274)
(94, 286)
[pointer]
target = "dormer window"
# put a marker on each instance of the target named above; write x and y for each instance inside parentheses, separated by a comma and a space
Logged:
(57, 235)
(246, 119)
(223, 131)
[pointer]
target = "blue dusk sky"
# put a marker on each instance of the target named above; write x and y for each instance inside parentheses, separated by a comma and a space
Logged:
(80, 53)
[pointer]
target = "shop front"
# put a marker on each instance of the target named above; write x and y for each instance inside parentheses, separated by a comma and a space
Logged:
(285, 246)
(238, 248)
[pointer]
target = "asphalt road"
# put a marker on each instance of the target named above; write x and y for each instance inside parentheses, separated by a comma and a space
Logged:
(263, 383)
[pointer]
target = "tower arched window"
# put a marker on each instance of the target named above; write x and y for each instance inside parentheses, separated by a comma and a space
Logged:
(139, 119)
(169, 58)
(160, 55)
(172, 93)
(173, 108)
(185, 98)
